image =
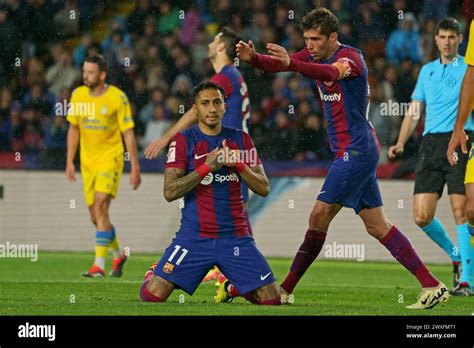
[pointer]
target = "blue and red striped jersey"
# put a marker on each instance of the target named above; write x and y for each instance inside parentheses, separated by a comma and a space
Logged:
(214, 209)
(236, 97)
(345, 104)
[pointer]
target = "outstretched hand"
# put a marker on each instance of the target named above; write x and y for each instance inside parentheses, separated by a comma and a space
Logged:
(279, 53)
(245, 51)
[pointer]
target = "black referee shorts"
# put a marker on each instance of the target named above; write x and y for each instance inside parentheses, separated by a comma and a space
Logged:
(433, 170)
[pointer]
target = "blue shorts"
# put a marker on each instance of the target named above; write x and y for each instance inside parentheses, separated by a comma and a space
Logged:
(352, 183)
(188, 259)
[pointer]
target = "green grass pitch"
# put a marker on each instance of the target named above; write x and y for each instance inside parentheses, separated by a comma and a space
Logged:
(53, 286)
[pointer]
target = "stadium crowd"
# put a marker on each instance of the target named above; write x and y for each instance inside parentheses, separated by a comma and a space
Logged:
(159, 53)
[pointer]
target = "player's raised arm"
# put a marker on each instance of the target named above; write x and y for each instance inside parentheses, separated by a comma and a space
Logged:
(279, 60)
(409, 124)
(177, 184)
(72, 144)
(466, 104)
(185, 121)
(131, 145)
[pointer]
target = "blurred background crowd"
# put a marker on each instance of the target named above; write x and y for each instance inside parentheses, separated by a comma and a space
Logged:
(157, 52)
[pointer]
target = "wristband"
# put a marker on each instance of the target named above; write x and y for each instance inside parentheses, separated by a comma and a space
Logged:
(203, 170)
(240, 167)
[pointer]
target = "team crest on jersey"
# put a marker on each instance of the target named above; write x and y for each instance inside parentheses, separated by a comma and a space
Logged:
(168, 268)
(451, 81)
(172, 153)
(328, 83)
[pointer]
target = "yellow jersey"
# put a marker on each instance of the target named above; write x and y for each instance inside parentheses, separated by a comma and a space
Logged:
(469, 59)
(101, 121)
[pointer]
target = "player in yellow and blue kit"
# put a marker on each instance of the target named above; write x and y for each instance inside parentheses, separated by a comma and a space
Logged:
(438, 89)
(466, 105)
(99, 114)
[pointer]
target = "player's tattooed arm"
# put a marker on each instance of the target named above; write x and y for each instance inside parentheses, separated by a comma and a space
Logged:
(256, 179)
(177, 184)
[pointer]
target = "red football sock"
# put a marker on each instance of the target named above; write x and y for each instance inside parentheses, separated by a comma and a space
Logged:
(232, 291)
(401, 249)
(146, 295)
(307, 253)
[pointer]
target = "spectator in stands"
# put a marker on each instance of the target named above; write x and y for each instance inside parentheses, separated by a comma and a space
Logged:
(200, 61)
(372, 26)
(404, 42)
(157, 98)
(40, 99)
(30, 134)
(54, 155)
(312, 141)
(182, 87)
(67, 20)
(37, 27)
(427, 42)
(337, 7)
(15, 130)
(283, 138)
(436, 10)
(148, 38)
(156, 127)
(139, 17)
(347, 35)
(259, 133)
(80, 52)
(390, 82)
(169, 17)
(9, 46)
(62, 74)
(5, 122)
(190, 28)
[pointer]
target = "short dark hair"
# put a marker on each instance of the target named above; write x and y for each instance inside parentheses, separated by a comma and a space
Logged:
(207, 85)
(231, 39)
(99, 60)
(322, 19)
(449, 24)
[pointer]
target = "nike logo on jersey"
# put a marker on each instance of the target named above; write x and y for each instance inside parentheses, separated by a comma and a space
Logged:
(265, 276)
(198, 157)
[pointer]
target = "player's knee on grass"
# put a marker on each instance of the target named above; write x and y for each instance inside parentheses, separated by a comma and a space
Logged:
(156, 289)
(267, 295)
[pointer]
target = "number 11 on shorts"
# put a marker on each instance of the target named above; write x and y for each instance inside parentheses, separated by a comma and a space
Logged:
(176, 249)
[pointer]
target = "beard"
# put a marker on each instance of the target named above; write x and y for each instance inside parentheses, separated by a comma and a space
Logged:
(92, 85)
